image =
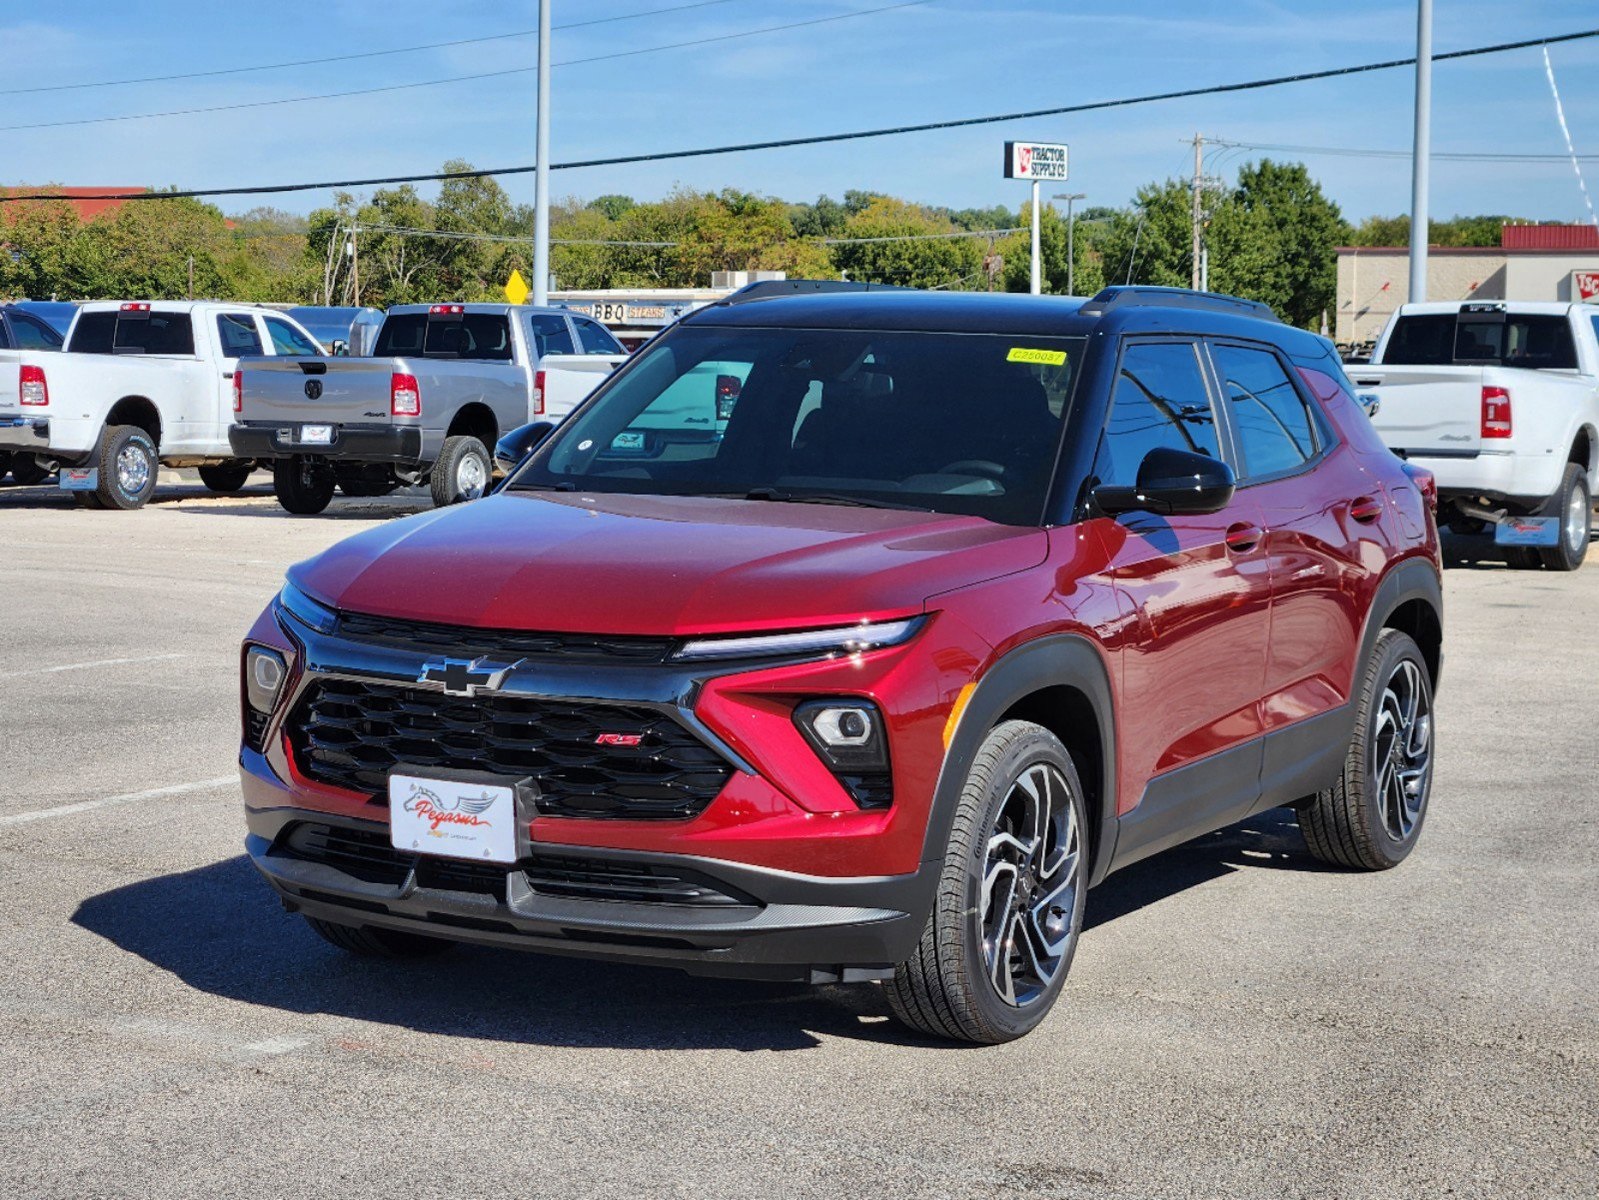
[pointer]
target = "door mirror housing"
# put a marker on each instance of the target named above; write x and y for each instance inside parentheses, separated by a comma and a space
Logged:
(511, 451)
(1172, 483)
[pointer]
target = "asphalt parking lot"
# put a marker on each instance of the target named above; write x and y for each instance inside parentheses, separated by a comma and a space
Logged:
(1239, 1021)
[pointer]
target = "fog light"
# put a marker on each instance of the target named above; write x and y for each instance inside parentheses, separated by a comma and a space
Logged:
(848, 734)
(264, 672)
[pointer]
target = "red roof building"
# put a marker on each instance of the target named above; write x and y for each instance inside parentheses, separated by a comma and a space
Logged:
(1549, 237)
(90, 202)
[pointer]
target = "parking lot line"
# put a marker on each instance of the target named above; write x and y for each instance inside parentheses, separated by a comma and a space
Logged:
(84, 666)
(67, 810)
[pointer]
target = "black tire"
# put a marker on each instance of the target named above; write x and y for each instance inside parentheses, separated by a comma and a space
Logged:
(5, 464)
(363, 489)
(1467, 526)
(87, 500)
(1370, 819)
(1522, 558)
(26, 472)
(226, 478)
(369, 941)
(464, 471)
(1573, 505)
(128, 467)
(953, 985)
(303, 487)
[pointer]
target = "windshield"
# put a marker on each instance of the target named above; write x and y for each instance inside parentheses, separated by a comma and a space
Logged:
(1535, 342)
(958, 423)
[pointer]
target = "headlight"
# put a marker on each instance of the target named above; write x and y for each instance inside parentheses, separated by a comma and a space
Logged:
(309, 612)
(846, 639)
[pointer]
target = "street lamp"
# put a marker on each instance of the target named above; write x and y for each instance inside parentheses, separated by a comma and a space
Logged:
(1071, 257)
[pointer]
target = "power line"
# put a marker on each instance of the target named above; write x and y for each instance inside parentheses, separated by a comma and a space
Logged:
(334, 58)
(1445, 155)
(449, 79)
(826, 138)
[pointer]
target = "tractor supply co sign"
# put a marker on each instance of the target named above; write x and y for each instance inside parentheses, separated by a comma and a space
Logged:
(1585, 286)
(1035, 160)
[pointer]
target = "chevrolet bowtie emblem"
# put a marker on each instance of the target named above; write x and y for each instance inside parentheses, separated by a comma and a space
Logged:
(466, 676)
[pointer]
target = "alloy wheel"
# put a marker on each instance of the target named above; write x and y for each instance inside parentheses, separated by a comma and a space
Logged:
(1030, 881)
(1577, 519)
(470, 477)
(1402, 745)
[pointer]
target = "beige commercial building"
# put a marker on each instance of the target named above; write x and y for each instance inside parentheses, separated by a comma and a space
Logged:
(1536, 262)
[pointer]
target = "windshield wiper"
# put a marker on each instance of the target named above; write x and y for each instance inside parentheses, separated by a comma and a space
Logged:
(563, 486)
(775, 494)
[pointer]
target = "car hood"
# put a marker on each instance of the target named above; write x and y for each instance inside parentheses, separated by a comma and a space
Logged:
(571, 562)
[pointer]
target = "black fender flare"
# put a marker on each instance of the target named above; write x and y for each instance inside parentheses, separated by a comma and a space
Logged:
(1058, 660)
(1411, 579)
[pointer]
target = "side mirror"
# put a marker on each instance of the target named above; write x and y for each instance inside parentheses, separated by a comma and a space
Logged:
(339, 348)
(1172, 482)
(512, 449)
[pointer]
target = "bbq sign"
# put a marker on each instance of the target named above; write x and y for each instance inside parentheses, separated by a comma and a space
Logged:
(1035, 160)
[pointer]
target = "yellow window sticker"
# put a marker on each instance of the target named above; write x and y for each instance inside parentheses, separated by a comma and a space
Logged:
(1027, 354)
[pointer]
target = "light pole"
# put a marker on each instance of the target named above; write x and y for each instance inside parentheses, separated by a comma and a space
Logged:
(541, 173)
(1420, 159)
(1071, 257)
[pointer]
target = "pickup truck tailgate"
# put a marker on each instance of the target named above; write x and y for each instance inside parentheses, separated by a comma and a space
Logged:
(316, 389)
(1426, 410)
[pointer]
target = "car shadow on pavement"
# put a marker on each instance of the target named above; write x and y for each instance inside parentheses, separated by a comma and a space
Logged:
(219, 930)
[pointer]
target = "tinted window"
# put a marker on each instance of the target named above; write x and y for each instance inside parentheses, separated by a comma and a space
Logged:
(1160, 400)
(1422, 341)
(550, 335)
(286, 339)
(33, 334)
(1535, 342)
(596, 338)
(238, 335)
(119, 333)
(482, 336)
(1276, 428)
(5, 338)
(954, 424)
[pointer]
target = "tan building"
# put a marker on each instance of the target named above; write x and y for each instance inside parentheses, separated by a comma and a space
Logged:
(1533, 262)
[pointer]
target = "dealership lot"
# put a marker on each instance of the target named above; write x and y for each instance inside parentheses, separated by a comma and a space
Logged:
(1239, 1021)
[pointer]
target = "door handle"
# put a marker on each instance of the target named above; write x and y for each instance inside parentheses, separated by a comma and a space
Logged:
(1365, 509)
(1243, 537)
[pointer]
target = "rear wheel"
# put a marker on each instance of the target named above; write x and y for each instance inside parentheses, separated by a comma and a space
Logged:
(1370, 818)
(303, 487)
(27, 472)
(226, 478)
(462, 473)
(5, 464)
(1574, 506)
(128, 467)
(369, 941)
(1004, 925)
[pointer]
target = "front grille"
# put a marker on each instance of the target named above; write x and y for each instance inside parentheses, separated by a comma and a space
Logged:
(368, 855)
(465, 641)
(350, 734)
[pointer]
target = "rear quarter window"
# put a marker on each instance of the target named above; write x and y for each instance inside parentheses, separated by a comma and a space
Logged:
(113, 333)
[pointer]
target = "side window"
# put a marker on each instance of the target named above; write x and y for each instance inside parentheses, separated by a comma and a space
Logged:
(596, 338)
(1595, 321)
(286, 339)
(1159, 400)
(5, 340)
(550, 335)
(239, 338)
(1277, 430)
(33, 334)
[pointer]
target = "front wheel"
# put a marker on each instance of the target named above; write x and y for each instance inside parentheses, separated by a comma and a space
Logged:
(1004, 926)
(462, 472)
(304, 487)
(1370, 818)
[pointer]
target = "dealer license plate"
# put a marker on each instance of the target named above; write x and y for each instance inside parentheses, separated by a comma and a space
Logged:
(452, 820)
(78, 479)
(316, 435)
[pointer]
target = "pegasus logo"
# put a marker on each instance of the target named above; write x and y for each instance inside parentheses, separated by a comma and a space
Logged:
(461, 810)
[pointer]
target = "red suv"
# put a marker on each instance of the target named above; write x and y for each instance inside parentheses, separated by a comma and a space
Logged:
(852, 634)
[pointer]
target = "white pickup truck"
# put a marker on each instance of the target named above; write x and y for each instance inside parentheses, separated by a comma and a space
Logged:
(445, 381)
(140, 383)
(1500, 401)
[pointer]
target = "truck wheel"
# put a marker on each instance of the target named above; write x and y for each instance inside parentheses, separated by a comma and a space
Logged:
(226, 478)
(1574, 506)
(303, 487)
(1370, 818)
(5, 464)
(128, 467)
(1009, 905)
(371, 942)
(26, 472)
(462, 472)
(365, 488)
(1522, 558)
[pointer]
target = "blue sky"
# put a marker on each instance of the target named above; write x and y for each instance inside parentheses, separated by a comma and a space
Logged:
(944, 59)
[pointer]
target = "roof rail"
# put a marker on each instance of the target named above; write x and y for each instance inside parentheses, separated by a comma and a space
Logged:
(770, 289)
(1112, 298)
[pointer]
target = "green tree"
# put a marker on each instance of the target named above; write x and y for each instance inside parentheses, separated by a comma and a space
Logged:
(1288, 245)
(914, 252)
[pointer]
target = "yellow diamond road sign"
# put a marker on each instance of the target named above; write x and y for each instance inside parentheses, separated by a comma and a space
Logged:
(516, 288)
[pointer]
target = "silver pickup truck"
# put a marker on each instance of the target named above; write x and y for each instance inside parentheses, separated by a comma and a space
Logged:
(445, 381)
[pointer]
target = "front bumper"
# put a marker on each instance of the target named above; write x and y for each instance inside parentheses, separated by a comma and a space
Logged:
(25, 434)
(399, 444)
(771, 924)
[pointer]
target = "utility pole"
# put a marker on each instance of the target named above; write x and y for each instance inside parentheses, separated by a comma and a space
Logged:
(541, 173)
(355, 267)
(191, 277)
(1198, 211)
(1071, 254)
(1421, 153)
